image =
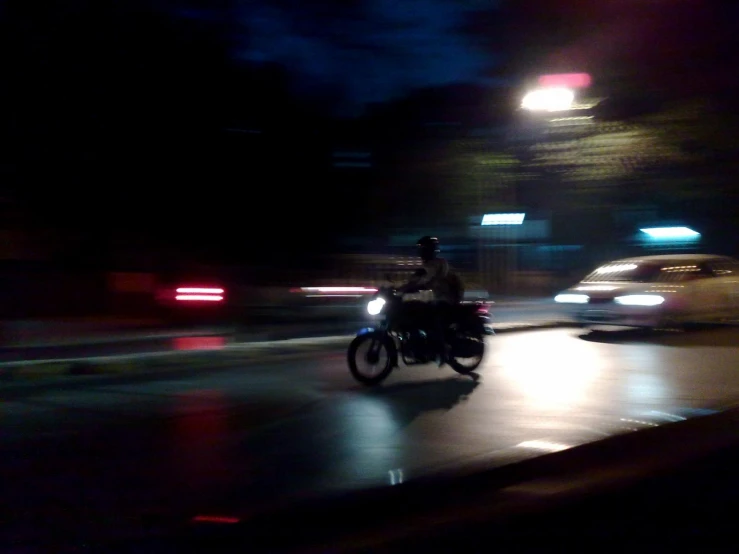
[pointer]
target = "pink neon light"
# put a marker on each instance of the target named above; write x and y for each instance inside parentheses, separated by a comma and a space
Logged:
(203, 297)
(198, 290)
(568, 80)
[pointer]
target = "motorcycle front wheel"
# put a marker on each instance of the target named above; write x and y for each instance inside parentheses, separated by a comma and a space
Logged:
(371, 358)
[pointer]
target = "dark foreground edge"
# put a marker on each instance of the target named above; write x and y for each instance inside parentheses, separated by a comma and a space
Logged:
(671, 485)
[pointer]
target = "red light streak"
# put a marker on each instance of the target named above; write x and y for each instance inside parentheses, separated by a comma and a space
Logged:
(215, 519)
(198, 297)
(199, 290)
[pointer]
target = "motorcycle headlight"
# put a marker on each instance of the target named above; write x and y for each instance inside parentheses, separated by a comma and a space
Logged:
(375, 306)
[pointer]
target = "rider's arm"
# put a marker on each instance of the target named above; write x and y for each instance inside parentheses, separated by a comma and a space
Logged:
(415, 283)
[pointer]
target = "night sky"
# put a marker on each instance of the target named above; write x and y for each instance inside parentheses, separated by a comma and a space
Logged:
(117, 104)
(359, 51)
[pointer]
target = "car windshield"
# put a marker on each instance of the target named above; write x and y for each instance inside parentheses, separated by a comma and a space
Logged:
(625, 272)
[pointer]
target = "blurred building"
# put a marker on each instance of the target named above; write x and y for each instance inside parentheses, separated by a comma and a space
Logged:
(586, 179)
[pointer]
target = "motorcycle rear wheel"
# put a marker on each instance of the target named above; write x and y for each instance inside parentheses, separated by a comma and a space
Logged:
(467, 368)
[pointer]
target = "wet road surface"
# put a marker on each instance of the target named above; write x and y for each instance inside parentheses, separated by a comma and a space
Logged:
(95, 460)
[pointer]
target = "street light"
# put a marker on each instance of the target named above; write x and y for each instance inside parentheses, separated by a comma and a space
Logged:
(554, 99)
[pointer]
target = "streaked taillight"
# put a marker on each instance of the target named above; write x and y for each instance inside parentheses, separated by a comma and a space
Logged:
(199, 294)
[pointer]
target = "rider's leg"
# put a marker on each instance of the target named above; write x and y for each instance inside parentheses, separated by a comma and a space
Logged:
(441, 319)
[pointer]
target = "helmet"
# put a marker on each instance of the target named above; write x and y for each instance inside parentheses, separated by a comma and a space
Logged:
(428, 247)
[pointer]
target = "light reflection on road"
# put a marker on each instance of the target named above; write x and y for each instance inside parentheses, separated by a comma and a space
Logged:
(197, 439)
(550, 373)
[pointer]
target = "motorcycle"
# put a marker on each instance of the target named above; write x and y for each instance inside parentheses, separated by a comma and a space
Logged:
(400, 335)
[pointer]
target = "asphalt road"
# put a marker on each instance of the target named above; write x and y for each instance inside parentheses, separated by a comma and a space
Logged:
(101, 460)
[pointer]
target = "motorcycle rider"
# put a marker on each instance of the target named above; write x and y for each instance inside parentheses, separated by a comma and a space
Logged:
(436, 276)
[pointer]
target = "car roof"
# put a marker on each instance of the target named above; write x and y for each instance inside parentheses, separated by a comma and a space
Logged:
(668, 258)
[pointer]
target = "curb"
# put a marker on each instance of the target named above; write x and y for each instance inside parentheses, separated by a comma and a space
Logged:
(154, 332)
(135, 337)
(229, 333)
(68, 376)
(511, 327)
(18, 378)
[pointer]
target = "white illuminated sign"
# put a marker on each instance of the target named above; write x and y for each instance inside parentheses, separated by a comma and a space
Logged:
(502, 219)
(671, 233)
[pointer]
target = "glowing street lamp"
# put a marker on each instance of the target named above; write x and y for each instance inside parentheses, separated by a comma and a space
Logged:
(554, 99)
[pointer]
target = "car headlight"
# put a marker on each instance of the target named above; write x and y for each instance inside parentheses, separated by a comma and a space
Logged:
(639, 300)
(375, 306)
(572, 298)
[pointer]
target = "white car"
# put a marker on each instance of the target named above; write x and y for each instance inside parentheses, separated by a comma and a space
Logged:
(657, 291)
